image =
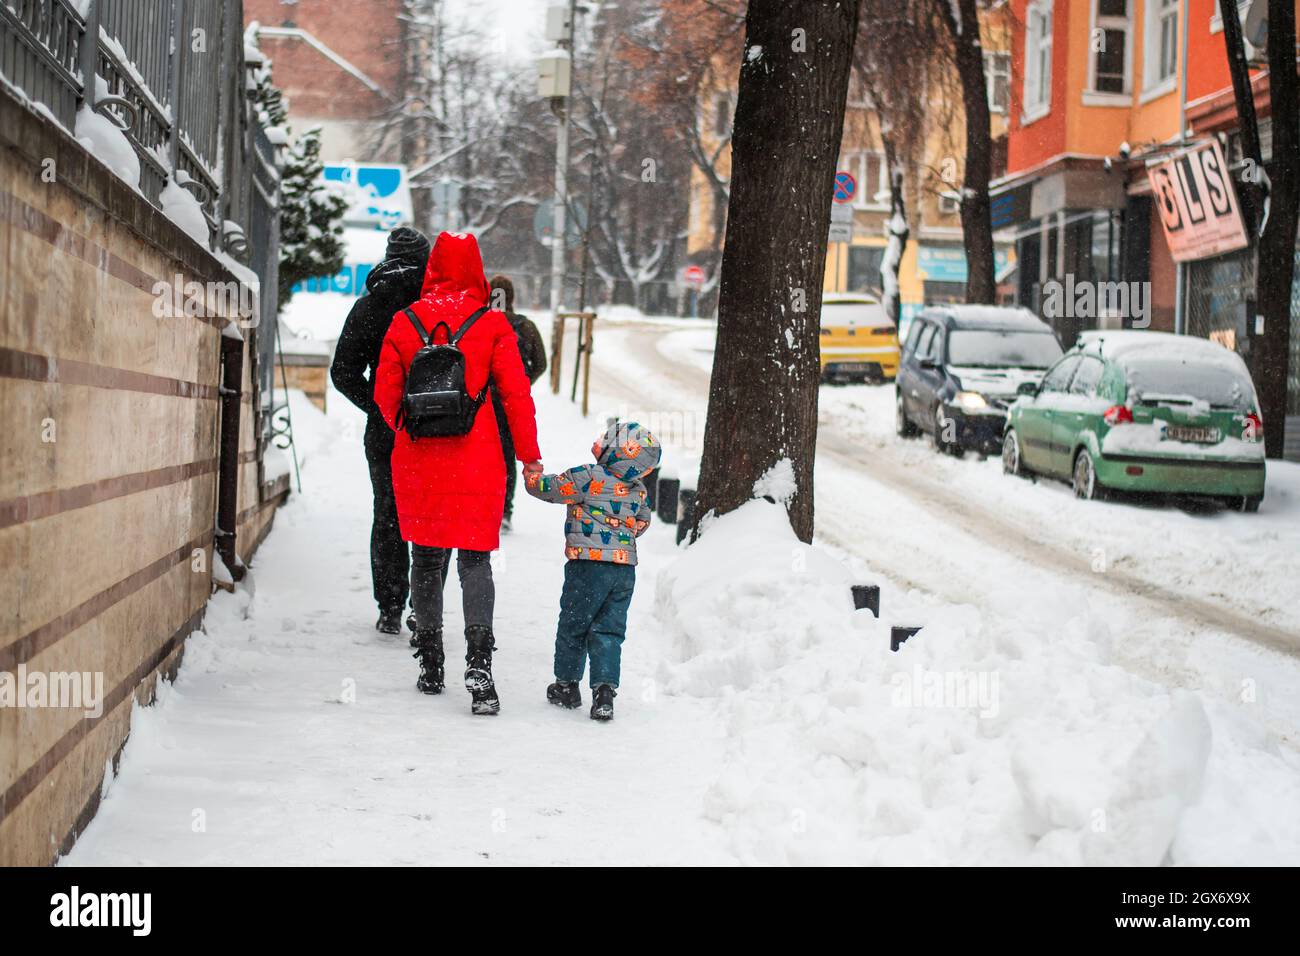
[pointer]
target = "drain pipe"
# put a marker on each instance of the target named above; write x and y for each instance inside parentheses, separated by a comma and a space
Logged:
(1180, 269)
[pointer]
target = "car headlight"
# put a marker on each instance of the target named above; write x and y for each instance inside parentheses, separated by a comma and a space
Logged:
(970, 401)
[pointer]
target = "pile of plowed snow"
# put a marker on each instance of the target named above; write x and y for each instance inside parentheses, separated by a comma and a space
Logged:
(979, 741)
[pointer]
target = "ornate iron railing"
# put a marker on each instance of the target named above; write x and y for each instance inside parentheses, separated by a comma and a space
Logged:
(173, 78)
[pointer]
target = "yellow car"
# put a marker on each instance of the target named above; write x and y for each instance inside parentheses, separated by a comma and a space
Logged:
(859, 341)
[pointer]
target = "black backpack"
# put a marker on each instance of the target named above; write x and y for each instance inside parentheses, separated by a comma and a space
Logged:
(435, 402)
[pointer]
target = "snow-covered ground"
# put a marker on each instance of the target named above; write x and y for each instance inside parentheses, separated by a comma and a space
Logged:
(294, 733)
(1058, 706)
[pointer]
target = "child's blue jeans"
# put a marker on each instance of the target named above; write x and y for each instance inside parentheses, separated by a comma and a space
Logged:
(593, 620)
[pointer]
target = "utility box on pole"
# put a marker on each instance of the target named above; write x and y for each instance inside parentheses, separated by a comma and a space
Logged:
(559, 27)
(554, 74)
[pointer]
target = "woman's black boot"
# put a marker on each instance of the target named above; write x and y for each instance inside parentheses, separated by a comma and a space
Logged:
(478, 670)
(428, 651)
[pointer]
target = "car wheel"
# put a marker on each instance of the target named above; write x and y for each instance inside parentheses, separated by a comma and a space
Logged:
(1085, 482)
(1012, 463)
(1249, 504)
(902, 424)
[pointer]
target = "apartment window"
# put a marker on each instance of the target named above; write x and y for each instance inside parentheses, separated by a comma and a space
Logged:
(1161, 54)
(1038, 59)
(1110, 47)
(949, 203)
(873, 179)
(997, 74)
(722, 115)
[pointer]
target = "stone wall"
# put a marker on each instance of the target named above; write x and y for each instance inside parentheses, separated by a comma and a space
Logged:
(109, 435)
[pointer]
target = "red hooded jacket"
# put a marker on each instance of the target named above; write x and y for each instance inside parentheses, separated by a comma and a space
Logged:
(451, 491)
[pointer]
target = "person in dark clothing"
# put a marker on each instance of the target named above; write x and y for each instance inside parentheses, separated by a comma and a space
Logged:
(533, 352)
(393, 285)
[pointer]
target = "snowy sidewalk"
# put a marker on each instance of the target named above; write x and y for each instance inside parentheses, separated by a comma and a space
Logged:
(294, 733)
(761, 720)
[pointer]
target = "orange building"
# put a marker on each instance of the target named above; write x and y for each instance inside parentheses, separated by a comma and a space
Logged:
(1101, 91)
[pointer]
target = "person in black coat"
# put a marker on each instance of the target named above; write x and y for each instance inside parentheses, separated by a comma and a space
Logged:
(393, 285)
(533, 352)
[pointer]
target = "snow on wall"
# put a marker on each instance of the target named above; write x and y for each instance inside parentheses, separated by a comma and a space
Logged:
(181, 207)
(105, 141)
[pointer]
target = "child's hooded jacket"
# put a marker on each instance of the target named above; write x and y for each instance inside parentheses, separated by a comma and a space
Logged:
(606, 502)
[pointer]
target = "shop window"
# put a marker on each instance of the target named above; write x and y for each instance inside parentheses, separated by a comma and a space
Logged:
(864, 268)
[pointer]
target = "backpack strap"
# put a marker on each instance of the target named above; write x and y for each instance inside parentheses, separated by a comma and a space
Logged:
(424, 336)
(460, 332)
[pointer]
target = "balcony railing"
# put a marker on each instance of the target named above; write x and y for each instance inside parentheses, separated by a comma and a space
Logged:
(173, 77)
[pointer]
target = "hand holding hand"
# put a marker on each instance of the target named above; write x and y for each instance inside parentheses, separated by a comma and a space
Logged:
(533, 468)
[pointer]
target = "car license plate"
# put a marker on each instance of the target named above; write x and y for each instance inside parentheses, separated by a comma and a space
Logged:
(852, 367)
(1204, 436)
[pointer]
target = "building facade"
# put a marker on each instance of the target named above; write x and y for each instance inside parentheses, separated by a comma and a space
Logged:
(339, 65)
(1102, 93)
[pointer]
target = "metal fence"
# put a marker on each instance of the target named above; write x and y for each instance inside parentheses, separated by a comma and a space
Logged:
(170, 73)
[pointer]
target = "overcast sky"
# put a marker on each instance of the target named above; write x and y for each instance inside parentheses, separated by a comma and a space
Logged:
(514, 27)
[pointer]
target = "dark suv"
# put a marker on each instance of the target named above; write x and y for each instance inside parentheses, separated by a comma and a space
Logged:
(960, 368)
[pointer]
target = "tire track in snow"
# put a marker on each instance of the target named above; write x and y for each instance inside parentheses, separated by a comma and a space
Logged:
(965, 514)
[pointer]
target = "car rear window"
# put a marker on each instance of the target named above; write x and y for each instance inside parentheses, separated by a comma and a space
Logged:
(855, 314)
(1217, 383)
(993, 348)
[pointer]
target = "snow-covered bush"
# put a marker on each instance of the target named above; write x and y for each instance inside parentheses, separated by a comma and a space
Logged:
(311, 218)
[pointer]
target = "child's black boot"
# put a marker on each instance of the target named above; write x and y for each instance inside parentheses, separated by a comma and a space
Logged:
(428, 651)
(478, 670)
(565, 693)
(602, 702)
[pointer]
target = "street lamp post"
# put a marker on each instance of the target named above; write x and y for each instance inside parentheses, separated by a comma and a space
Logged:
(554, 82)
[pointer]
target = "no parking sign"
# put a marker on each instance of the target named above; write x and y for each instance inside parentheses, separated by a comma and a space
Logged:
(846, 187)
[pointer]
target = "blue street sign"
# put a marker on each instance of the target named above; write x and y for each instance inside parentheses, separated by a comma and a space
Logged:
(846, 187)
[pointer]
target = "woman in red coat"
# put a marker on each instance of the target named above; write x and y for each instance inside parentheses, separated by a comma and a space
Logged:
(451, 491)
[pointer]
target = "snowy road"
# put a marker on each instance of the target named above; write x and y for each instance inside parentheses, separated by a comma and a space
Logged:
(1205, 599)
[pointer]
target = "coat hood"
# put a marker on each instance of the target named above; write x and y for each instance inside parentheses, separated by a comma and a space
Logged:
(397, 280)
(629, 451)
(454, 276)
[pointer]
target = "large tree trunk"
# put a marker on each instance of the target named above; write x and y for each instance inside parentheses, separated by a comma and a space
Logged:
(976, 224)
(766, 367)
(1277, 245)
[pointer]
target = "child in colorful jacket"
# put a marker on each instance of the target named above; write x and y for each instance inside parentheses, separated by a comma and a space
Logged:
(607, 511)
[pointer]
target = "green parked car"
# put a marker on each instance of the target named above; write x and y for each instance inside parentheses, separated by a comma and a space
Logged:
(1142, 412)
